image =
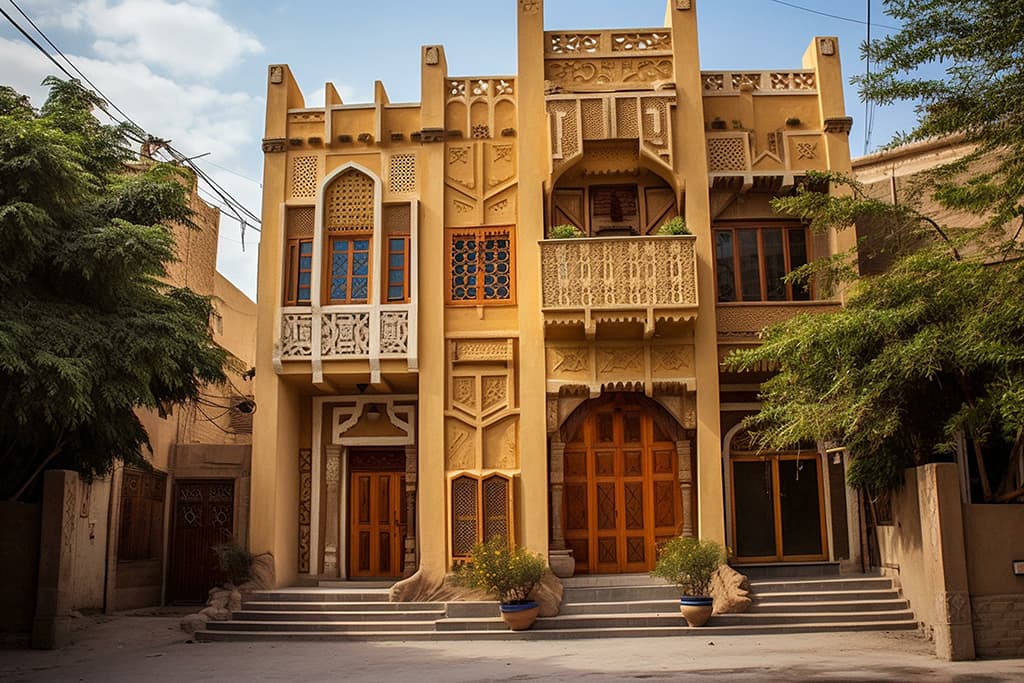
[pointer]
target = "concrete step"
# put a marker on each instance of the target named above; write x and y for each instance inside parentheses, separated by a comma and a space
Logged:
(355, 585)
(317, 626)
(549, 634)
(631, 607)
(363, 615)
(820, 585)
(366, 606)
(806, 569)
(823, 596)
(317, 595)
(620, 593)
(828, 606)
(612, 581)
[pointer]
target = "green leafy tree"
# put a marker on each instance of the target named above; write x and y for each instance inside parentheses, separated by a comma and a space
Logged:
(962, 63)
(90, 331)
(934, 346)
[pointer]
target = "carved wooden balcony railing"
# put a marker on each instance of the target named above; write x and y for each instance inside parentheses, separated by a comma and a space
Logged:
(361, 332)
(619, 279)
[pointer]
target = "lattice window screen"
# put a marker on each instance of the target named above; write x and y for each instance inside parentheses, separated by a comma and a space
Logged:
(300, 221)
(496, 507)
(304, 173)
(464, 515)
(348, 202)
(402, 174)
(727, 154)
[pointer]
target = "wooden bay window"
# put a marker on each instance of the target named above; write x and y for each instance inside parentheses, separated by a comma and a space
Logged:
(751, 262)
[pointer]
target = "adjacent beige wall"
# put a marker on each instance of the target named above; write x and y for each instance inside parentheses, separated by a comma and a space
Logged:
(995, 538)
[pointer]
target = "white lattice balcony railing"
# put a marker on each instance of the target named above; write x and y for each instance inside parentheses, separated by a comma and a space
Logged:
(362, 332)
(615, 279)
(609, 43)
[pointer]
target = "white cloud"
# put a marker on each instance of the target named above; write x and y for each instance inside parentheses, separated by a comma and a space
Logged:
(197, 117)
(184, 38)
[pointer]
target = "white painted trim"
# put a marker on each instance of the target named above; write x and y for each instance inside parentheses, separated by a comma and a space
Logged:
(343, 418)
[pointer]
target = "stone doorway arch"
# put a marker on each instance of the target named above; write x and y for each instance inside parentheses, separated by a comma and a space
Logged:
(621, 482)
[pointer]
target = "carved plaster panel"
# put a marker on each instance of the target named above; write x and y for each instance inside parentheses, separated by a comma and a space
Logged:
(471, 350)
(747, 321)
(501, 445)
(374, 421)
(460, 446)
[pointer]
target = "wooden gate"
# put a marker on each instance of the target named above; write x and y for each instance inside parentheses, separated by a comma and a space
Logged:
(204, 512)
(621, 490)
(377, 515)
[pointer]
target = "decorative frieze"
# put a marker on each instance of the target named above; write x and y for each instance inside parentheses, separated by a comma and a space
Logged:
(759, 82)
(647, 365)
(747, 320)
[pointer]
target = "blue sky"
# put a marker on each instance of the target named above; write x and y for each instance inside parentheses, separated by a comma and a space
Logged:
(194, 70)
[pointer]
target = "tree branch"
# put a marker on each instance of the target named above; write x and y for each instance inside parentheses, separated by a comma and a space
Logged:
(942, 234)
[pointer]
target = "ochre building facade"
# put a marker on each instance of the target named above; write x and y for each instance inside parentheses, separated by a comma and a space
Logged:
(433, 370)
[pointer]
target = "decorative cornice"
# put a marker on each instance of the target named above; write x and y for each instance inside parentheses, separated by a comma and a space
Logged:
(275, 145)
(841, 124)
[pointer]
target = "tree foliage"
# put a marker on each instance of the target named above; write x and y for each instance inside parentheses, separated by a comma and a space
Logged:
(89, 329)
(933, 347)
(977, 47)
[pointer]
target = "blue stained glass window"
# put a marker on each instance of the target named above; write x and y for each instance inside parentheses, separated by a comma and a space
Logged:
(481, 266)
(300, 272)
(350, 270)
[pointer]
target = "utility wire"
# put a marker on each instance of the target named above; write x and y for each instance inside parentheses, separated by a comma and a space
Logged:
(241, 213)
(869, 106)
(832, 16)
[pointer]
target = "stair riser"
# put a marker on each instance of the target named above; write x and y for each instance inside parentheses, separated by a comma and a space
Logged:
(865, 596)
(629, 594)
(867, 606)
(325, 596)
(541, 634)
(763, 619)
(312, 626)
(342, 606)
(820, 586)
(621, 607)
(245, 615)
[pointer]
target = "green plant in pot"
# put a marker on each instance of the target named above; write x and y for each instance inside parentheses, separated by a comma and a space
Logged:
(674, 226)
(510, 573)
(691, 563)
(564, 232)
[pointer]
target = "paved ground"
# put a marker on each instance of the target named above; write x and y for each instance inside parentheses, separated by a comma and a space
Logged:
(151, 648)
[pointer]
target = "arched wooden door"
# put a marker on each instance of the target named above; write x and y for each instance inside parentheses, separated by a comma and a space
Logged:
(621, 489)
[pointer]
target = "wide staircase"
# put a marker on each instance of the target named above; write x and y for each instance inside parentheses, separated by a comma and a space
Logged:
(593, 607)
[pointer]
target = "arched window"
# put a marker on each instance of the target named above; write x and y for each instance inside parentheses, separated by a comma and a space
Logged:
(348, 227)
(481, 508)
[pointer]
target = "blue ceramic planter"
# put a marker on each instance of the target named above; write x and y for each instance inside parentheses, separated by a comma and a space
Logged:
(518, 607)
(693, 601)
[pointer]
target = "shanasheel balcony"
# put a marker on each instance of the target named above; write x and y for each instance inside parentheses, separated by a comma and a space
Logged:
(587, 281)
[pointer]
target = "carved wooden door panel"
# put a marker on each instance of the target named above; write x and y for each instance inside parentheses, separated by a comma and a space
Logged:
(377, 522)
(621, 492)
(204, 512)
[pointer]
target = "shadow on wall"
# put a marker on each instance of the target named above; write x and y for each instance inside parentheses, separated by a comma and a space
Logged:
(19, 549)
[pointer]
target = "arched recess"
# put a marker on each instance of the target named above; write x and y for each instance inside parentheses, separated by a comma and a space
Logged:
(777, 501)
(348, 201)
(610, 167)
(621, 483)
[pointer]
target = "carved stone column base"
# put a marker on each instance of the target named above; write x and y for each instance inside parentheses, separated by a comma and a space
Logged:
(563, 564)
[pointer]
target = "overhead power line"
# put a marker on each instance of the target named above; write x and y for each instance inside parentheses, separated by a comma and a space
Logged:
(832, 16)
(233, 207)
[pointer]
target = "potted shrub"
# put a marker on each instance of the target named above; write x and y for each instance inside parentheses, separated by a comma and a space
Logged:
(674, 226)
(509, 573)
(690, 563)
(234, 561)
(565, 232)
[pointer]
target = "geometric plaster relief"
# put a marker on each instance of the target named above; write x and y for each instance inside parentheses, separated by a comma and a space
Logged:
(394, 332)
(671, 358)
(461, 167)
(501, 163)
(587, 74)
(620, 359)
(464, 394)
(360, 423)
(501, 207)
(345, 334)
(494, 393)
(459, 446)
(304, 177)
(483, 351)
(296, 335)
(806, 150)
(552, 413)
(501, 445)
(571, 359)
(530, 6)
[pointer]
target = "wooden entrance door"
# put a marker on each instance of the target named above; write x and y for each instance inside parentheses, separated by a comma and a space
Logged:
(621, 490)
(204, 513)
(377, 516)
(778, 512)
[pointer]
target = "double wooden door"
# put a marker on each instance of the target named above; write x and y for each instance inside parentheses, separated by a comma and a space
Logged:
(621, 494)
(204, 513)
(377, 522)
(778, 510)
